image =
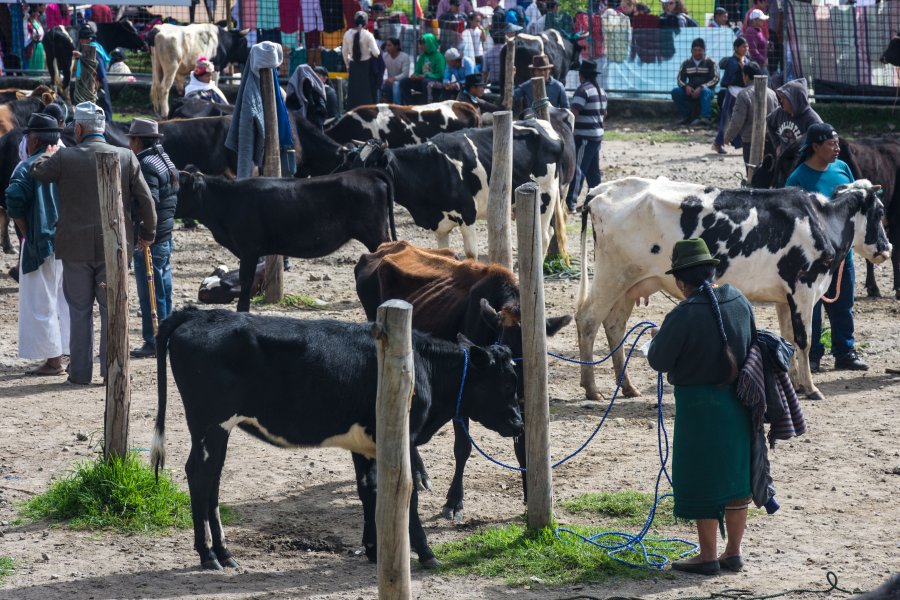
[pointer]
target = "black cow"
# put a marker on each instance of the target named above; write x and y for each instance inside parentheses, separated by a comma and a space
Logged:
(449, 297)
(303, 218)
(562, 52)
(120, 34)
(891, 54)
(200, 142)
(318, 154)
(192, 108)
(307, 383)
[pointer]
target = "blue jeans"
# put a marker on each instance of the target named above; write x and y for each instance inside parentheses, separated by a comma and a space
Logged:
(685, 105)
(725, 108)
(587, 167)
(393, 91)
(840, 314)
(162, 285)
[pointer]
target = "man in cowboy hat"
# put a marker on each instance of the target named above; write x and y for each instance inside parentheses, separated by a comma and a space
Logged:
(473, 93)
(79, 235)
(556, 92)
(162, 179)
(43, 314)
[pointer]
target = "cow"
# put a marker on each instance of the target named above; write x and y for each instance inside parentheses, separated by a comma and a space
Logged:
(874, 158)
(176, 48)
(449, 297)
(780, 246)
(120, 34)
(565, 54)
(319, 154)
(400, 126)
(191, 108)
(10, 94)
(303, 218)
(444, 183)
(891, 54)
(223, 286)
(200, 142)
(15, 113)
(255, 372)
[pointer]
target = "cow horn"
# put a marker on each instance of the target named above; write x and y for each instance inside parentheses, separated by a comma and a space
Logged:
(876, 188)
(243, 32)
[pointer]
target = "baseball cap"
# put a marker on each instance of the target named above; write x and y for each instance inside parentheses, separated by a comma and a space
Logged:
(816, 134)
(757, 14)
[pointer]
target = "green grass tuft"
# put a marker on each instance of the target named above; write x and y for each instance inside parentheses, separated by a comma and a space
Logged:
(293, 301)
(120, 493)
(554, 265)
(6, 567)
(660, 137)
(522, 557)
(626, 507)
(826, 340)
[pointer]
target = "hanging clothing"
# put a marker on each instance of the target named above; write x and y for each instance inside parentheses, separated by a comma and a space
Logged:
(311, 17)
(290, 14)
(332, 15)
(248, 12)
(350, 8)
(53, 16)
(267, 14)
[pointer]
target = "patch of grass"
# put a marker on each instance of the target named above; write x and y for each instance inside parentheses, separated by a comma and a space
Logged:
(627, 508)
(826, 340)
(662, 136)
(6, 567)
(554, 265)
(129, 117)
(859, 119)
(522, 557)
(120, 493)
(293, 301)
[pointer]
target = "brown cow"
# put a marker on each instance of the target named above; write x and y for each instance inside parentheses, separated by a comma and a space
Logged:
(449, 297)
(400, 126)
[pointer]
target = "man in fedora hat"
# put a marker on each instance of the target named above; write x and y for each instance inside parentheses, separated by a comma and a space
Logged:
(79, 234)
(473, 93)
(43, 314)
(556, 92)
(162, 179)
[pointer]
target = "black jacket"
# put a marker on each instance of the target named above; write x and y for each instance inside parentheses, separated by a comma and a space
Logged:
(155, 167)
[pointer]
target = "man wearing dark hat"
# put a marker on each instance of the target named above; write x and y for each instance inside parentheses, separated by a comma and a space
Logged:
(59, 114)
(697, 81)
(821, 171)
(473, 92)
(43, 314)
(556, 92)
(79, 234)
(162, 179)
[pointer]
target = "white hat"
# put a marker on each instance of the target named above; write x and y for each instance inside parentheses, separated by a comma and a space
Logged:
(451, 54)
(757, 14)
(88, 111)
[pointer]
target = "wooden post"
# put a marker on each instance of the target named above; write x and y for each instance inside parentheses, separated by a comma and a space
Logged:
(393, 342)
(499, 199)
(758, 145)
(273, 280)
(559, 245)
(534, 353)
(509, 74)
(115, 246)
(228, 5)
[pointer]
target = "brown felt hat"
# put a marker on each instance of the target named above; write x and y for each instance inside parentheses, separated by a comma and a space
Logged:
(539, 62)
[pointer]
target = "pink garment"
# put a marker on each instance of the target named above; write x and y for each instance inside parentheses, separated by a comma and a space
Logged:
(765, 24)
(758, 45)
(289, 11)
(248, 14)
(54, 17)
(100, 13)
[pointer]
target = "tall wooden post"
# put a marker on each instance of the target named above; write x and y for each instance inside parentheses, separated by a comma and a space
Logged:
(115, 246)
(509, 73)
(393, 341)
(273, 280)
(757, 147)
(559, 245)
(534, 356)
(499, 199)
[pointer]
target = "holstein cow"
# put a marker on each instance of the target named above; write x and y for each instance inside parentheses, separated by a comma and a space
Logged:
(891, 54)
(562, 52)
(223, 286)
(400, 126)
(303, 218)
(444, 182)
(449, 297)
(780, 246)
(299, 383)
(176, 48)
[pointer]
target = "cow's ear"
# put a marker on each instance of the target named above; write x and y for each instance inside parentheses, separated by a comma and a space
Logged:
(490, 315)
(554, 324)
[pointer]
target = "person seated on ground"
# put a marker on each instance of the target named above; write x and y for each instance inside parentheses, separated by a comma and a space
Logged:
(428, 74)
(331, 99)
(456, 71)
(119, 71)
(201, 85)
(473, 93)
(789, 122)
(821, 171)
(740, 127)
(697, 81)
(756, 38)
(556, 92)
(554, 19)
(397, 65)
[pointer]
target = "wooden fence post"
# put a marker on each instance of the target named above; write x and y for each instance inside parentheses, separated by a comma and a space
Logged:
(393, 341)
(273, 280)
(509, 74)
(534, 356)
(499, 199)
(559, 245)
(758, 145)
(115, 246)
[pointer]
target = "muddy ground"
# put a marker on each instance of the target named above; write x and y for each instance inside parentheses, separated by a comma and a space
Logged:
(299, 528)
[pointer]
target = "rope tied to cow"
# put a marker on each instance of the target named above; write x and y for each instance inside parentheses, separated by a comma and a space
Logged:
(837, 287)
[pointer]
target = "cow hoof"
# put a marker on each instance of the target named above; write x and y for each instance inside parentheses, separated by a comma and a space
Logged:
(897, 294)
(8, 249)
(423, 483)
(430, 563)
(230, 563)
(873, 292)
(593, 395)
(816, 395)
(211, 565)
(630, 393)
(454, 514)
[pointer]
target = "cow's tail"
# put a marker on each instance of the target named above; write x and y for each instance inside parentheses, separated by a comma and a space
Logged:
(389, 179)
(583, 283)
(158, 445)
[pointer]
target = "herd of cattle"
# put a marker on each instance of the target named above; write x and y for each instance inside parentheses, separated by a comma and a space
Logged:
(778, 245)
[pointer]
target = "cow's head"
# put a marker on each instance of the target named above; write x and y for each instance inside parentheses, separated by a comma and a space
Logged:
(490, 394)
(869, 239)
(891, 54)
(190, 187)
(233, 47)
(127, 36)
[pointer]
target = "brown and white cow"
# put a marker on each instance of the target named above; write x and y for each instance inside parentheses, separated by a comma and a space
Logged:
(400, 126)
(780, 246)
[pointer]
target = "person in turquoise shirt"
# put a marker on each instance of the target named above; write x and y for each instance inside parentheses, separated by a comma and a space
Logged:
(821, 171)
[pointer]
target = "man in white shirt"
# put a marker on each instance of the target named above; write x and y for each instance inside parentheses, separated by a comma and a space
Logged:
(396, 68)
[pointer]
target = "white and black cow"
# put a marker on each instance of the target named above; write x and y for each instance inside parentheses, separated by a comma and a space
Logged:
(299, 383)
(780, 246)
(891, 54)
(400, 126)
(303, 218)
(444, 182)
(562, 52)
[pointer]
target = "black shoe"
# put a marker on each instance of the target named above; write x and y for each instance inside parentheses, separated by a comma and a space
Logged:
(71, 381)
(698, 568)
(851, 362)
(815, 364)
(145, 351)
(732, 563)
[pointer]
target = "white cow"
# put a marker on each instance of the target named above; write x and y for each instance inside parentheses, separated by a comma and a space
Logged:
(778, 246)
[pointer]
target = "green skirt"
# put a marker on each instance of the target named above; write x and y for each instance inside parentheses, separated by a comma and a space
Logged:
(710, 451)
(38, 60)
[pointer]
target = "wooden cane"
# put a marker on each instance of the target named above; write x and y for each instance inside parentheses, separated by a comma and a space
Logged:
(148, 261)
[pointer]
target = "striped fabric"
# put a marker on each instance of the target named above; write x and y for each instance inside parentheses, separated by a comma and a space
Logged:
(751, 385)
(792, 424)
(591, 104)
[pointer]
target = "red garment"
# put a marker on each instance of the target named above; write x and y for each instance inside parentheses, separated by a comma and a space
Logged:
(100, 13)
(596, 31)
(289, 12)
(350, 8)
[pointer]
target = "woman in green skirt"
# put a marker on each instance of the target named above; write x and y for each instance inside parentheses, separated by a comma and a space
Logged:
(700, 345)
(34, 41)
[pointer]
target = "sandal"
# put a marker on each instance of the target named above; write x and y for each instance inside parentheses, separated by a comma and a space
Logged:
(46, 370)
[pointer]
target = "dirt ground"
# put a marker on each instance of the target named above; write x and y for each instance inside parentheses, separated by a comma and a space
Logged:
(299, 528)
